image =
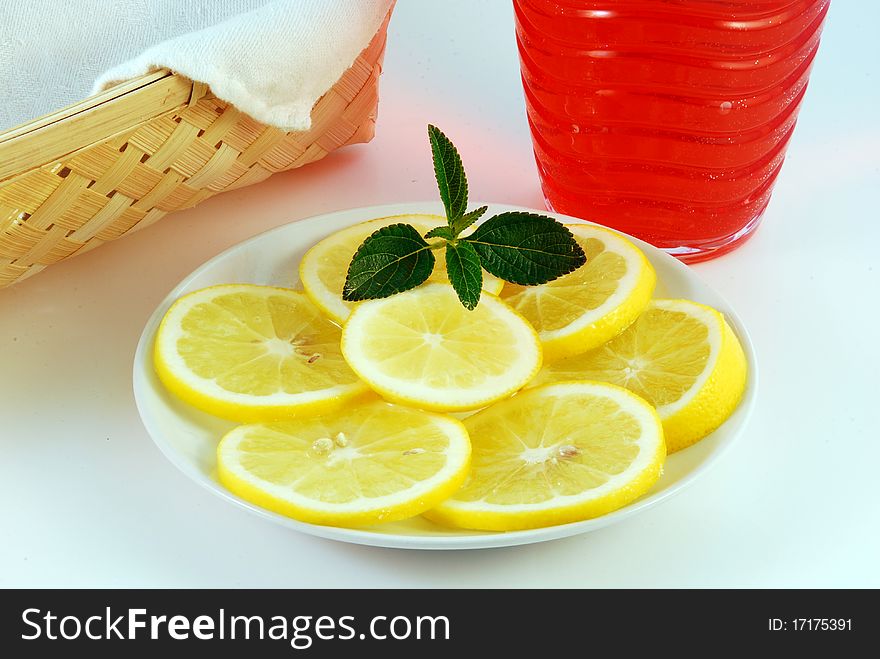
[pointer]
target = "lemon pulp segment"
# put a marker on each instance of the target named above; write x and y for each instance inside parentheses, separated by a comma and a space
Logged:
(681, 356)
(556, 454)
(585, 308)
(248, 352)
(368, 464)
(423, 348)
(325, 266)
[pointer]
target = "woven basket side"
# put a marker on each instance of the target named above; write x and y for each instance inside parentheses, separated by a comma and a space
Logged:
(127, 182)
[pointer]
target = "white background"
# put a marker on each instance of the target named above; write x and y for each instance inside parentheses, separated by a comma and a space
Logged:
(86, 499)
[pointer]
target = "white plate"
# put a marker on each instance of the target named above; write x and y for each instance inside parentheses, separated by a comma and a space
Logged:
(188, 437)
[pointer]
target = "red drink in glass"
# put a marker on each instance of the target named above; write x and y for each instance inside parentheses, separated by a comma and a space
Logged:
(665, 119)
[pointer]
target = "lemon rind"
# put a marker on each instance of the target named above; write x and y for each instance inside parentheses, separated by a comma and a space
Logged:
(327, 300)
(209, 397)
(618, 312)
(284, 501)
(528, 364)
(638, 478)
(717, 391)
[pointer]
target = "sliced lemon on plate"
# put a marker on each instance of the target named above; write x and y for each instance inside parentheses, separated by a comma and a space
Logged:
(371, 463)
(556, 454)
(585, 308)
(680, 356)
(249, 353)
(423, 348)
(323, 269)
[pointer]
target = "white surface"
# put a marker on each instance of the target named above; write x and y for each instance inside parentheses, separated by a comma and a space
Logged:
(89, 500)
(189, 438)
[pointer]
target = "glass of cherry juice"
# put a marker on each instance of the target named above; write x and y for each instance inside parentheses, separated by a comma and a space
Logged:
(665, 119)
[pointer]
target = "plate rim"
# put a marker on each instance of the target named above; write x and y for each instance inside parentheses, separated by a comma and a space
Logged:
(486, 540)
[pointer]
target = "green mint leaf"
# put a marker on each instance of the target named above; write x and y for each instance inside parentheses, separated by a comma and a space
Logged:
(525, 248)
(450, 174)
(440, 232)
(463, 222)
(391, 260)
(465, 272)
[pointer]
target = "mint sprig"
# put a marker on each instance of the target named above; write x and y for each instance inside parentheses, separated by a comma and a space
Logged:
(393, 259)
(463, 267)
(450, 174)
(526, 248)
(463, 222)
(523, 248)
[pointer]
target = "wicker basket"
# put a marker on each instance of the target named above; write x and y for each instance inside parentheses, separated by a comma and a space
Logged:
(122, 159)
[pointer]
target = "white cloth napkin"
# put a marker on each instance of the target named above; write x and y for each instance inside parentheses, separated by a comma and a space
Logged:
(271, 58)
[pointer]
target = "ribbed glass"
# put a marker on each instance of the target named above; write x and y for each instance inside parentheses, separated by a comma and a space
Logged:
(666, 119)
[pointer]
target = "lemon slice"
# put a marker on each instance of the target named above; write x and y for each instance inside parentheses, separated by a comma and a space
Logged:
(423, 348)
(253, 353)
(324, 267)
(372, 463)
(680, 356)
(585, 308)
(556, 454)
